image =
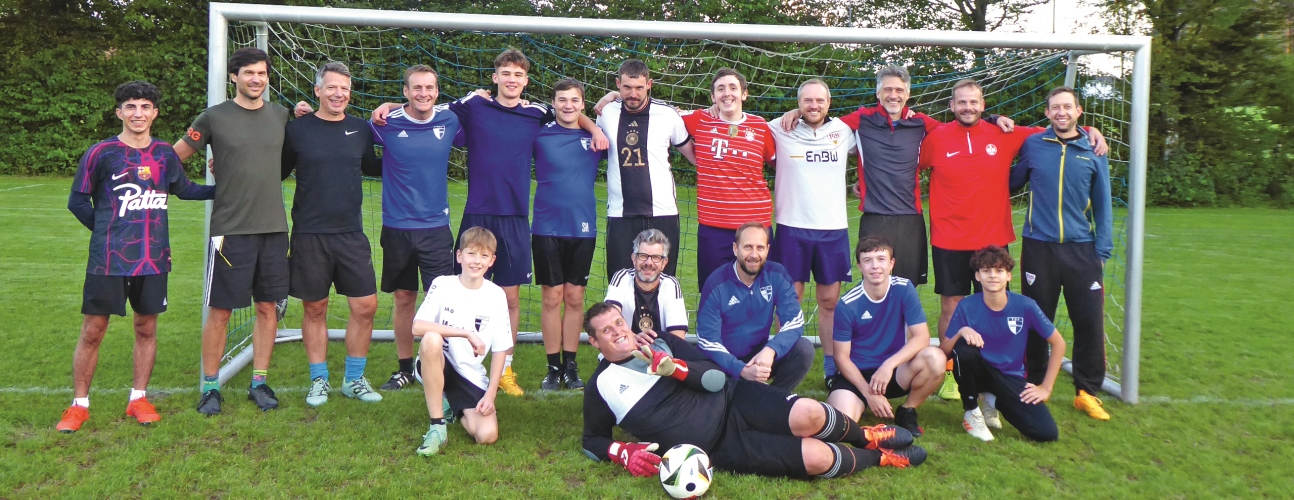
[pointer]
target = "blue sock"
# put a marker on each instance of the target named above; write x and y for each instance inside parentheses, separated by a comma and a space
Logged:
(319, 370)
(828, 366)
(355, 367)
(210, 382)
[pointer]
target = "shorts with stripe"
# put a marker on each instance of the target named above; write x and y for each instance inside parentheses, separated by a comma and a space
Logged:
(247, 267)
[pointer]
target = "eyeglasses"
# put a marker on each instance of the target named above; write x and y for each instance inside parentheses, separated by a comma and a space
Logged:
(654, 259)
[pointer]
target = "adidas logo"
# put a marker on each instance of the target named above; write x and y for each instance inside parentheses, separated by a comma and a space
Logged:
(1095, 286)
(623, 388)
(402, 134)
(867, 315)
(733, 300)
(633, 123)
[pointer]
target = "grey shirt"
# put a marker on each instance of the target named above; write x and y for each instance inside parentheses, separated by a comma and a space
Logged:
(247, 146)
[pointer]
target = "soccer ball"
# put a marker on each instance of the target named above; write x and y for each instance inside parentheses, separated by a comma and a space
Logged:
(685, 471)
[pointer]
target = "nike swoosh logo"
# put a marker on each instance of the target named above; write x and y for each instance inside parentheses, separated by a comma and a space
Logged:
(349, 132)
(952, 154)
(118, 176)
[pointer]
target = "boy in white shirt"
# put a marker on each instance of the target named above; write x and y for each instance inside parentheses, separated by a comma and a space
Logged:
(460, 319)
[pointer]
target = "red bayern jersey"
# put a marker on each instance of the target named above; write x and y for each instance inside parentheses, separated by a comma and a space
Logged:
(730, 157)
(970, 206)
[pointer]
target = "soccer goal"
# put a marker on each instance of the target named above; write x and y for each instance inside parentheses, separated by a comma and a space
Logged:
(1016, 70)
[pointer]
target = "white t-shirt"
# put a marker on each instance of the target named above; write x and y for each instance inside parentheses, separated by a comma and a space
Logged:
(639, 180)
(669, 300)
(810, 189)
(483, 310)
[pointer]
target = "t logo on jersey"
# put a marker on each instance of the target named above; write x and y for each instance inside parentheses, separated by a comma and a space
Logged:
(1015, 323)
(718, 146)
(439, 130)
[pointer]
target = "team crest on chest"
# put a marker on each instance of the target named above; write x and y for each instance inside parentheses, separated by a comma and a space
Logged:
(479, 323)
(767, 292)
(586, 142)
(631, 138)
(1015, 323)
(750, 135)
(991, 149)
(439, 130)
(144, 172)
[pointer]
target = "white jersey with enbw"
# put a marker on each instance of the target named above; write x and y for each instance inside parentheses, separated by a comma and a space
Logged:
(639, 180)
(482, 310)
(811, 163)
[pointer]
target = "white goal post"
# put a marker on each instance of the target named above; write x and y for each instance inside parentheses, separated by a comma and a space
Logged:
(222, 14)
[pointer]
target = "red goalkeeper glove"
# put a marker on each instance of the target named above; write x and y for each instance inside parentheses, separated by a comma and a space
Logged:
(659, 363)
(637, 458)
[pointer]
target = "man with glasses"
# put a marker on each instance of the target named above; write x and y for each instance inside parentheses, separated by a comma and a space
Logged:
(651, 301)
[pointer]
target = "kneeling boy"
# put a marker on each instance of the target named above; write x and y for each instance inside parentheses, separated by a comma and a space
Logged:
(986, 339)
(461, 318)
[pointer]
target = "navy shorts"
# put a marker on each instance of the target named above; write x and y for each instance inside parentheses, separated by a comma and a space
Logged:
(512, 256)
(824, 252)
(104, 295)
(407, 253)
(319, 261)
(560, 260)
(247, 267)
(713, 250)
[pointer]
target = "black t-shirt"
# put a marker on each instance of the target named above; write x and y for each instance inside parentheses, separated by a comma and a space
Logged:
(329, 158)
(646, 306)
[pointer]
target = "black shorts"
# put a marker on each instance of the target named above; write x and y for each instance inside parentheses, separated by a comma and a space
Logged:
(757, 435)
(561, 260)
(462, 395)
(318, 261)
(907, 233)
(953, 273)
(838, 382)
(104, 295)
(512, 254)
(247, 267)
(406, 253)
(621, 232)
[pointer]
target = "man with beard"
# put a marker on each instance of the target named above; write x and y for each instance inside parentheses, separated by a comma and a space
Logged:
(650, 300)
(736, 313)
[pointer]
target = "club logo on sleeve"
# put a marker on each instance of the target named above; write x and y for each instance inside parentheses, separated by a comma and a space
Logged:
(1029, 277)
(1015, 323)
(194, 135)
(767, 292)
(991, 149)
(439, 130)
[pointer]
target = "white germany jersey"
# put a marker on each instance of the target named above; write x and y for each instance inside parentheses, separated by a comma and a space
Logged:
(669, 300)
(810, 189)
(483, 310)
(639, 180)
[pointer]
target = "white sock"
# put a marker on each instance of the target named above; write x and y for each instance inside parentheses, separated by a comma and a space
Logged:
(507, 361)
(989, 399)
(136, 394)
(82, 402)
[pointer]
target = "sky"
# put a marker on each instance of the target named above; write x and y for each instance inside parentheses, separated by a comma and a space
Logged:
(1071, 16)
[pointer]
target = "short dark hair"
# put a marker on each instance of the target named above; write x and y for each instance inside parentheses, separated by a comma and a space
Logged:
(1061, 90)
(872, 243)
(736, 235)
(634, 68)
(567, 84)
(991, 257)
(512, 56)
(741, 80)
(420, 68)
(596, 310)
(247, 56)
(137, 89)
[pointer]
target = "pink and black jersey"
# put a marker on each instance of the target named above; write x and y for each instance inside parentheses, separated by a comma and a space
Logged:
(129, 189)
(730, 157)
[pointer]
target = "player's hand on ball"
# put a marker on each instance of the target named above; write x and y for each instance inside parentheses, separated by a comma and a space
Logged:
(637, 458)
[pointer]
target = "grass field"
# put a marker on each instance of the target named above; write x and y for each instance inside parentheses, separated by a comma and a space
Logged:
(1217, 417)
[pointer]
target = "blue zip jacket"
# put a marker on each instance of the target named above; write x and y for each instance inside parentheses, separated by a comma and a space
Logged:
(1069, 191)
(734, 320)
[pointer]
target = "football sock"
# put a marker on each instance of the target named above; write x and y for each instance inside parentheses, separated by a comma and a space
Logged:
(507, 361)
(555, 361)
(136, 393)
(970, 400)
(990, 399)
(319, 370)
(406, 365)
(838, 427)
(210, 382)
(438, 421)
(355, 367)
(568, 357)
(848, 460)
(258, 377)
(82, 402)
(828, 365)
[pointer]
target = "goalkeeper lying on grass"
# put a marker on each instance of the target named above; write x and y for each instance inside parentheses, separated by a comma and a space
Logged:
(669, 392)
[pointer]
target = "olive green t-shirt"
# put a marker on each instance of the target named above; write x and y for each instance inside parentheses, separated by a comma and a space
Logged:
(247, 145)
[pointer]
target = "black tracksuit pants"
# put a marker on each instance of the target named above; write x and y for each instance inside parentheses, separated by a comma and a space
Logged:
(1048, 268)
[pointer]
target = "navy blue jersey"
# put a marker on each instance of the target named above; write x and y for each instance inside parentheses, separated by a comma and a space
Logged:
(415, 168)
(129, 187)
(499, 142)
(733, 321)
(565, 168)
(1004, 331)
(876, 329)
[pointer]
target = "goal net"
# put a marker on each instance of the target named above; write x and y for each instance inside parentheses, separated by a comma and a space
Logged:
(682, 57)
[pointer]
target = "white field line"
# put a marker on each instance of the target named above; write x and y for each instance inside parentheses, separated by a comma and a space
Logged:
(15, 188)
